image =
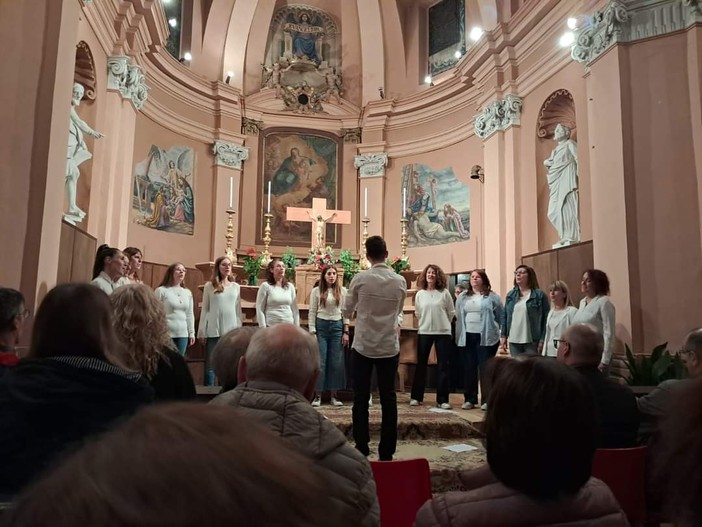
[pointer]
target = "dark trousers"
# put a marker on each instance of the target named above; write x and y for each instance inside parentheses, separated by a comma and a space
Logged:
(386, 369)
(475, 363)
(443, 354)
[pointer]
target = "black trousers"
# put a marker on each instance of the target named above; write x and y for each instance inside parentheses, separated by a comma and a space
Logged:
(443, 358)
(475, 364)
(386, 369)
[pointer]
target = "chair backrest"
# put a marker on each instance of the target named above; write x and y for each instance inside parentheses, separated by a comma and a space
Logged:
(403, 486)
(624, 472)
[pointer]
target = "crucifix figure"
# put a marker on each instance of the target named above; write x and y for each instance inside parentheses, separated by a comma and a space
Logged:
(319, 215)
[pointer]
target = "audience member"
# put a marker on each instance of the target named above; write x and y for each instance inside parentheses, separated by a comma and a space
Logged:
(108, 269)
(524, 317)
(179, 465)
(540, 440)
(140, 324)
(12, 317)
(70, 386)
(597, 309)
(228, 353)
(580, 347)
(377, 297)
(277, 376)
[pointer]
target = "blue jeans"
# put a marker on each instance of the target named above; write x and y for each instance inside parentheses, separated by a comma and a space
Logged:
(209, 367)
(518, 349)
(181, 343)
(331, 355)
(475, 364)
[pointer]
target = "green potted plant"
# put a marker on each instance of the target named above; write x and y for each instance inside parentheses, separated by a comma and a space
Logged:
(653, 369)
(290, 261)
(350, 266)
(252, 265)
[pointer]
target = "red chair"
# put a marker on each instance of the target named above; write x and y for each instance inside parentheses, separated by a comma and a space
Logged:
(402, 488)
(624, 472)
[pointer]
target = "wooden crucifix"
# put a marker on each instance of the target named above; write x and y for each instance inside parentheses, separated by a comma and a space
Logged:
(319, 216)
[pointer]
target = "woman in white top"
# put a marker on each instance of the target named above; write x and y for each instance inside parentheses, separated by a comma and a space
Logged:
(559, 318)
(332, 330)
(221, 311)
(478, 315)
(276, 301)
(178, 301)
(598, 310)
(108, 269)
(433, 307)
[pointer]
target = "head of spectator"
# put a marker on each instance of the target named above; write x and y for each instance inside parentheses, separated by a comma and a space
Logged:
(691, 353)
(135, 258)
(199, 465)
(580, 345)
(12, 316)
(594, 283)
(460, 287)
(376, 249)
(546, 409)
(284, 354)
(228, 352)
(110, 261)
(140, 323)
(75, 320)
(432, 277)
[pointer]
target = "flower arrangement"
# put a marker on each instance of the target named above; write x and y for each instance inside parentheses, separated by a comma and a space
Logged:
(321, 259)
(252, 265)
(398, 264)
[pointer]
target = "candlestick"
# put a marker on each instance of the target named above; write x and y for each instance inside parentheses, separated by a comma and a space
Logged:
(228, 252)
(404, 202)
(231, 191)
(363, 260)
(268, 210)
(267, 238)
(365, 210)
(403, 238)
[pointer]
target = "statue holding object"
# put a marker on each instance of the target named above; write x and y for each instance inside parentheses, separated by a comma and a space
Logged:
(562, 177)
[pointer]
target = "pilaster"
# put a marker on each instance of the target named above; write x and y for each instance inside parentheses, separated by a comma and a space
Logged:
(229, 165)
(371, 179)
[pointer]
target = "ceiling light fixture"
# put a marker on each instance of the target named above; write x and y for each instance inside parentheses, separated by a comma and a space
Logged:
(567, 39)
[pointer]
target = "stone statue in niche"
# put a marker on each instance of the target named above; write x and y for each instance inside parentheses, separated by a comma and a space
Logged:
(77, 153)
(562, 176)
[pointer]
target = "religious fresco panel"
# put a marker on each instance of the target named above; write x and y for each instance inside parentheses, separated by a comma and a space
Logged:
(162, 195)
(437, 206)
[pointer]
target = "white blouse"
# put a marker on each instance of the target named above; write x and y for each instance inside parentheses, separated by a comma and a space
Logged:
(330, 311)
(105, 283)
(600, 313)
(471, 307)
(221, 312)
(556, 323)
(435, 310)
(519, 333)
(276, 305)
(178, 302)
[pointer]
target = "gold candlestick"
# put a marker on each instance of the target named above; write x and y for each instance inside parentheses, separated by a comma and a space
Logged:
(228, 252)
(403, 238)
(267, 239)
(363, 260)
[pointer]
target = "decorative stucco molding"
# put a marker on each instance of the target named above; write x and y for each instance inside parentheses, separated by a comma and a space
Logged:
(351, 135)
(229, 155)
(498, 115)
(128, 80)
(632, 20)
(371, 165)
(250, 126)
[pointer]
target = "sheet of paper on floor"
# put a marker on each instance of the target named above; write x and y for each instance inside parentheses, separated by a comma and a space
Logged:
(441, 411)
(460, 447)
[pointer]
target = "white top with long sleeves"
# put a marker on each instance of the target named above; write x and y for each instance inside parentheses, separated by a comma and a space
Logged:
(180, 317)
(330, 311)
(557, 322)
(600, 313)
(377, 297)
(435, 310)
(276, 305)
(104, 282)
(221, 312)
(519, 333)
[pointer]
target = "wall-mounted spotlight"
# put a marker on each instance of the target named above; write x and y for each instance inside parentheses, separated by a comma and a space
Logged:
(476, 33)
(457, 54)
(381, 92)
(187, 56)
(477, 172)
(230, 74)
(173, 22)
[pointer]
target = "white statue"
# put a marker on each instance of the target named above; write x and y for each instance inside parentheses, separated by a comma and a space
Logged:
(77, 153)
(562, 167)
(333, 85)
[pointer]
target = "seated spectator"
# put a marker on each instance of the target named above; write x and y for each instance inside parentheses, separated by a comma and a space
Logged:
(179, 465)
(12, 317)
(228, 352)
(277, 379)
(540, 441)
(70, 386)
(141, 327)
(657, 404)
(580, 347)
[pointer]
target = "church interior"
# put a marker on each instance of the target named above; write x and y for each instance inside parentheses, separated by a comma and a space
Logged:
(565, 135)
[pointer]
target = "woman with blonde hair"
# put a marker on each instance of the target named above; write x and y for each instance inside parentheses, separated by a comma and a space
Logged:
(140, 324)
(178, 301)
(559, 318)
(221, 311)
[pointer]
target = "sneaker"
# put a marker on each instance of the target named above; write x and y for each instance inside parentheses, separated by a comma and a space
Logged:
(336, 402)
(483, 407)
(467, 406)
(445, 406)
(317, 401)
(370, 401)
(414, 402)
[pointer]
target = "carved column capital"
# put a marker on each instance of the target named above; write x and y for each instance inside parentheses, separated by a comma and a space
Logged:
(127, 79)
(605, 29)
(371, 165)
(498, 115)
(229, 155)
(250, 126)
(351, 135)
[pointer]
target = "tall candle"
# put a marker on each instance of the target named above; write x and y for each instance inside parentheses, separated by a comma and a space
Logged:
(366, 203)
(269, 197)
(231, 191)
(404, 202)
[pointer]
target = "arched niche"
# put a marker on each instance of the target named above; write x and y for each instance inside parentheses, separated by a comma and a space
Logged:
(557, 108)
(85, 70)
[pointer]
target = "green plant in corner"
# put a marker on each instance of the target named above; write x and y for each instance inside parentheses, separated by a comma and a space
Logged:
(350, 266)
(651, 370)
(290, 261)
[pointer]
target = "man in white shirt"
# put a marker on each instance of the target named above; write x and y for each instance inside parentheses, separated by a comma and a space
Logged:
(377, 296)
